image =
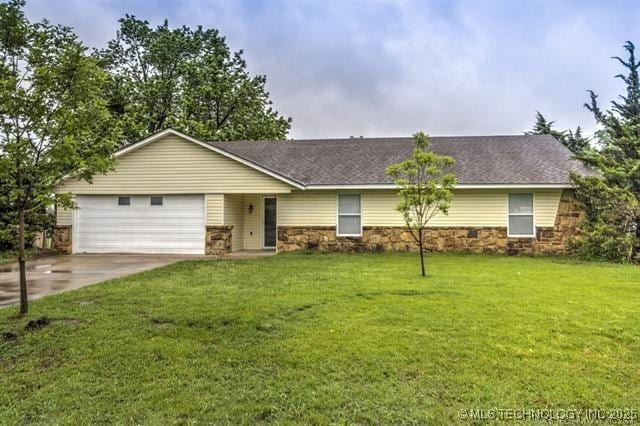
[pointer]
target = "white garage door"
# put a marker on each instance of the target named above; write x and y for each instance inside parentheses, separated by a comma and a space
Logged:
(106, 224)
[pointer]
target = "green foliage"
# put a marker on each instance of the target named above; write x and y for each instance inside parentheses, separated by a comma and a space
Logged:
(9, 256)
(604, 241)
(543, 126)
(609, 231)
(186, 79)
(53, 119)
(304, 338)
(39, 219)
(425, 187)
(574, 140)
(612, 200)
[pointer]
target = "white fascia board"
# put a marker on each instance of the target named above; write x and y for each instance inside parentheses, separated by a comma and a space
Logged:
(517, 186)
(349, 187)
(463, 186)
(222, 152)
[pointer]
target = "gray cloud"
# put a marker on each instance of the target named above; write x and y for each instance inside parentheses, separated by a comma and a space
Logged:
(380, 69)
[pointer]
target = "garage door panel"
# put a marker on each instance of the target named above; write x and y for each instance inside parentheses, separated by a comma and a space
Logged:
(150, 224)
(102, 226)
(125, 221)
(133, 237)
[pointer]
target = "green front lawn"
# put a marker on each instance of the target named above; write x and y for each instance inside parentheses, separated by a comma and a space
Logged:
(328, 338)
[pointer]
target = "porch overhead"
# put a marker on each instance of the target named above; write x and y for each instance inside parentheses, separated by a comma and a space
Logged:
(254, 226)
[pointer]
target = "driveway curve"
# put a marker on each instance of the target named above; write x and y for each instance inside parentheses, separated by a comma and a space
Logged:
(50, 275)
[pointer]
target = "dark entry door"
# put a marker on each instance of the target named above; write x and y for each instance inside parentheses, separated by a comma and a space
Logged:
(270, 230)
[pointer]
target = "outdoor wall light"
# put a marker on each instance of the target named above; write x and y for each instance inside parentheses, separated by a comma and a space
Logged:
(250, 208)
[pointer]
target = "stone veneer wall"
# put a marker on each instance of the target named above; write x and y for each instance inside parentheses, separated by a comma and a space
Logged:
(552, 240)
(61, 239)
(218, 240)
(567, 225)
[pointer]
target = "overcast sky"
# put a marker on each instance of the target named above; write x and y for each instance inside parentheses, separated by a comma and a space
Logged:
(391, 68)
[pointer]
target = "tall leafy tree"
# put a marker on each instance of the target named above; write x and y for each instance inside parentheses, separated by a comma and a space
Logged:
(425, 188)
(613, 199)
(53, 120)
(574, 140)
(187, 79)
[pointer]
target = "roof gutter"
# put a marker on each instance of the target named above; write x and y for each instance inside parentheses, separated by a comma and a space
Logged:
(461, 186)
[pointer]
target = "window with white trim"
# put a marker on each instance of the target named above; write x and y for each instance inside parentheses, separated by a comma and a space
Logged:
(155, 200)
(124, 201)
(521, 215)
(349, 215)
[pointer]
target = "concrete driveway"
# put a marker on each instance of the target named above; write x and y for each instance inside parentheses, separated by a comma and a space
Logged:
(51, 275)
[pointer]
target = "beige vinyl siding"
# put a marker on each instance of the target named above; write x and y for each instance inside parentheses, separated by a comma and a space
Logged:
(173, 165)
(215, 208)
(64, 216)
(546, 206)
(378, 209)
(234, 216)
(308, 208)
(247, 227)
(468, 208)
(252, 223)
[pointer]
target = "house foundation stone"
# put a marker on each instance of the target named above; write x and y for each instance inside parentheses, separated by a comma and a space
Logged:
(548, 240)
(61, 239)
(218, 240)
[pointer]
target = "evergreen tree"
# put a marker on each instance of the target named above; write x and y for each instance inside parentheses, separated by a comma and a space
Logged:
(574, 140)
(545, 127)
(612, 200)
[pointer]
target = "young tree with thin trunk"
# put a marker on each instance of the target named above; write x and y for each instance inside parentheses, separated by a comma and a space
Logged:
(425, 188)
(54, 121)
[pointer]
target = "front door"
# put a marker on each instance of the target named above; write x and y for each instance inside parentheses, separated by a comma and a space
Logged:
(270, 227)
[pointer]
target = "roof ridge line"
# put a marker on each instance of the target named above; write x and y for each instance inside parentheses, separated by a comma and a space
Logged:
(381, 138)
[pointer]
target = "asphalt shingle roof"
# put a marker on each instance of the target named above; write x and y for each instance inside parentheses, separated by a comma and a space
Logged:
(520, 159)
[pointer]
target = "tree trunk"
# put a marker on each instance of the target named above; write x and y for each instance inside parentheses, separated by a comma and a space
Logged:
(22, 263)
(636, 250)
(421, 253)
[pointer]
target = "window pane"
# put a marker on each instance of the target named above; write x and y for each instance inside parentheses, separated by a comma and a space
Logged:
(156, 201)
(520, 225)
(349, 225)
(124, 201)
(521, 203)
(349, 203)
